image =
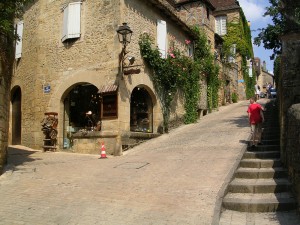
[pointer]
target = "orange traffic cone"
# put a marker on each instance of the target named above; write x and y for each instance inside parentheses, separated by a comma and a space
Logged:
(103, 153)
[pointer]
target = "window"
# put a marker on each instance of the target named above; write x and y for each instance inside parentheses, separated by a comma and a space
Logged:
(231, 58)
(162, 37)
(207, 12)
(221, 28)
(19, 29)
(71, 23)
(109, 106)
(109, 101)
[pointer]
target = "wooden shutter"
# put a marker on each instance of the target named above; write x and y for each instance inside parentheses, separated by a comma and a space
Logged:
(162, 37)
(18, 51)
(223, 25)
(71, 23)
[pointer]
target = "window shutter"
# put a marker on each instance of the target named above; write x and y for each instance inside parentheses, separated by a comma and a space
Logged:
(71, 23)
(223, 25)
(162, 37)
(232, 52)
(18, 51)
(218, 25)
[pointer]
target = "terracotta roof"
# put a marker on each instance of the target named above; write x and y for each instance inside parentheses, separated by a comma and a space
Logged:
(108, 89)
(225, 4)
(181, 2)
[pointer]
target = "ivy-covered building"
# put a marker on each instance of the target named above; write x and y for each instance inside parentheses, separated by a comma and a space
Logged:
(70, 62)
(236, 53)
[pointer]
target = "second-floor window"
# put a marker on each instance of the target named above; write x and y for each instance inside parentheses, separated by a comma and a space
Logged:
(19, 30)
(221, 28)
(162, 37)
(71, 24)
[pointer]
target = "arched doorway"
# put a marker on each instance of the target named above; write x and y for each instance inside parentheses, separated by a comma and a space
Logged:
(81, 111)
(141, 111)
(16, 101)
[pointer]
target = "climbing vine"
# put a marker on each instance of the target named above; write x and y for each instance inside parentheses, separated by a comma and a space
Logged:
(239, 33)
(180, 72)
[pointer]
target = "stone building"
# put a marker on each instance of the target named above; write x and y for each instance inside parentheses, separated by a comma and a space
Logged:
(69, 61)
(263, 77)
(289, 93)
(228, 11)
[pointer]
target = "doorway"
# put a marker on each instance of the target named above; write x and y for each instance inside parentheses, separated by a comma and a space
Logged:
(141, 111)
(81, 111)
(16, 101)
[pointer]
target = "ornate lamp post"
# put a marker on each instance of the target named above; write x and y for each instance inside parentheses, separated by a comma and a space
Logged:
(124, 35)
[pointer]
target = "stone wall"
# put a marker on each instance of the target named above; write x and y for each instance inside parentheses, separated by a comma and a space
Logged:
(93, 58)
(292, 147)
(289, 92)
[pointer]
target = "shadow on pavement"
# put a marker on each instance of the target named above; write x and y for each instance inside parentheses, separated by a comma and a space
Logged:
(18, 155)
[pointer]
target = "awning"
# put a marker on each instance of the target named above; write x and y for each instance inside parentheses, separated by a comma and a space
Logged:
(108, 89)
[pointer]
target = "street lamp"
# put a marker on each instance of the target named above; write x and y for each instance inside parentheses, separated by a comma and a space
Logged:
(124, 34)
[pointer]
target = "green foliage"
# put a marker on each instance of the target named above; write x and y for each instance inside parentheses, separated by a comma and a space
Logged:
(208, 68)
(270, 36)
(239, 33)
(234, 97)
(180, 72)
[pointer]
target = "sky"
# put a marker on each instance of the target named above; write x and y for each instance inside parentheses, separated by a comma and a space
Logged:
(254, 10)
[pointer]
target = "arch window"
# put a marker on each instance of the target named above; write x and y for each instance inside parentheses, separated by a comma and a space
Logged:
(141, 111)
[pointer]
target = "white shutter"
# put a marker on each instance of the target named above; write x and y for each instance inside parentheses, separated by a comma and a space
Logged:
(218, 25)
(71, 23)
(162, 37)
(223, 25)
(18, 51)
(232, 52)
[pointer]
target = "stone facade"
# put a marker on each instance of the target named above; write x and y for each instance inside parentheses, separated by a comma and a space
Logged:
(289, 92)
(91, 59)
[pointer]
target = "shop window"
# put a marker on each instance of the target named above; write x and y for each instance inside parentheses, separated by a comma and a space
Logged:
(109, 105)
(141, 111)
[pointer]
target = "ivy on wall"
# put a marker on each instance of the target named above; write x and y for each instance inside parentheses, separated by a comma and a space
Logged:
(180, 72)
(239, 33)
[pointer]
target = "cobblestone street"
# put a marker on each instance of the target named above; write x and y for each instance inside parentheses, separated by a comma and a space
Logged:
(177, 178)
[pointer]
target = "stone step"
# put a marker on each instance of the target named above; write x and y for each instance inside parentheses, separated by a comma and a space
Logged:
(259, 202)
(270, 142)
(264, 148)
(239, 185)
(256, 173)
(261, 155)
(260, 163)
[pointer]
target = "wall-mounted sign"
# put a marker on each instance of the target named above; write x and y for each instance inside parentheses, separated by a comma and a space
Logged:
(47, 88)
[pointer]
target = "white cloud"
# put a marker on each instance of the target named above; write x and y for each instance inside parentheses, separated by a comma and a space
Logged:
(253, 10)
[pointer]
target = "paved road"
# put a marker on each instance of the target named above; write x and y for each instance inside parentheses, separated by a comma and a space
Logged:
(175, 179)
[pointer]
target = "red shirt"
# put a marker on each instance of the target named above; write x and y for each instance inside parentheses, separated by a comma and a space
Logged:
(254, 110)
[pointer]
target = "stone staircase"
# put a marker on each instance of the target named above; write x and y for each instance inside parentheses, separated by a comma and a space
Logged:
(260, 183)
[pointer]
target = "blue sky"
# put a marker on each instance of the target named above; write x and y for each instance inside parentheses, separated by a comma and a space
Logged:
(254, 10)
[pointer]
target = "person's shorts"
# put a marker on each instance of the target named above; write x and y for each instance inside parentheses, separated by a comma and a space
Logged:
(255, 127)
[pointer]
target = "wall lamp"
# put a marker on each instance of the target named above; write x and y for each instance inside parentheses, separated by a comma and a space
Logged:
(124, 35)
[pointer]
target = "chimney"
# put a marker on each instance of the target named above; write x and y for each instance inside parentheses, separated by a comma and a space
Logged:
(264, 66)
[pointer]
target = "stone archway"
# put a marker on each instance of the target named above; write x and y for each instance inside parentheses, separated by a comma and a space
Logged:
(81, 110)
(141, 110)
(16, 101)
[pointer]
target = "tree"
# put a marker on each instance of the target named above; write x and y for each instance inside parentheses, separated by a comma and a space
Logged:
(270, 36)
(9, 11)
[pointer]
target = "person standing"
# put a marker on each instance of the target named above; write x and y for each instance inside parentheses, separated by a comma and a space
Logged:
(257, 91)
(256, 118)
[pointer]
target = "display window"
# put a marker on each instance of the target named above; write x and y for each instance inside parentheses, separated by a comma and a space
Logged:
(141, 111)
